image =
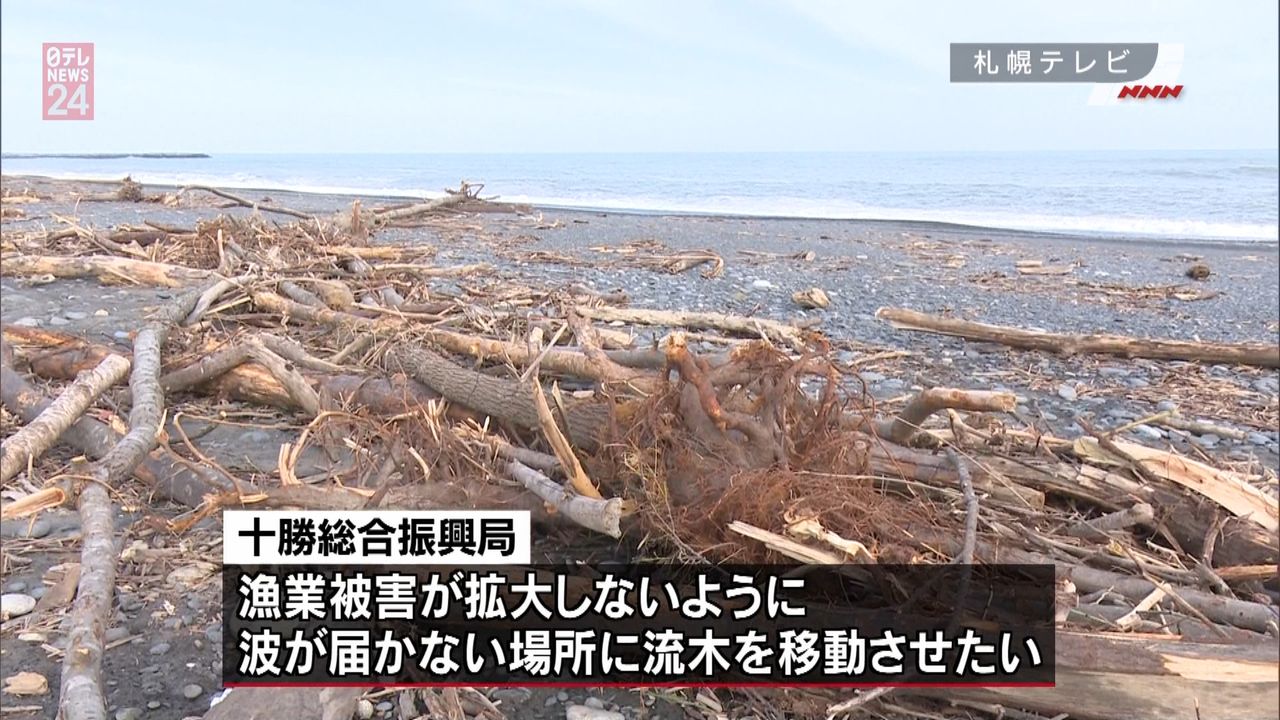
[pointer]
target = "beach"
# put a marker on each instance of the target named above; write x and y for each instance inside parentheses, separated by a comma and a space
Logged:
(169, 634)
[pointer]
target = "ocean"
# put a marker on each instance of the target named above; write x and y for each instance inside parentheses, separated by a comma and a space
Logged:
(1203, 195)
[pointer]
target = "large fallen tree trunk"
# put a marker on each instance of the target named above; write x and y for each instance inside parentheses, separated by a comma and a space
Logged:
(1235, 354)
(107, 268)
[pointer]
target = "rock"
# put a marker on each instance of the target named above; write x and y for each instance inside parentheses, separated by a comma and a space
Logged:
(1258, 438)
(1166, 406)
(23, 528)
(582, 712)
(1114, 372)
(1209, 440)
(159, 648)
(813, 298)
(154, 704)
(1136, 383)
(364, 709)
(26, 683)
(56, 320)
(33, 637)
(1198, 271)
(27, 322)
(1267, 385)
(192, 574)
(1147, 432)
(562, 696)
(14, 605)
(871, 377)
(1048, 416)
(385, 706)
(762, 285)
(191, 691)
(511, 696)
(119, 632)
(120, 335)
(75, 315)
(594, 702)
(1067, 392)
(100, 313)
(129, 713)
(16, 586)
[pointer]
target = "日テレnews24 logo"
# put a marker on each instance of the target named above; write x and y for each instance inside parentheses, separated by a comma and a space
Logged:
(68, 81)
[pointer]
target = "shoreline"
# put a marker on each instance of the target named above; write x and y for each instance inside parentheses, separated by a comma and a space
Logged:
(921, 225)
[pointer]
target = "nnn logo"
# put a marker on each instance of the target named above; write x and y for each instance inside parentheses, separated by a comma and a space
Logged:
(1142, 92)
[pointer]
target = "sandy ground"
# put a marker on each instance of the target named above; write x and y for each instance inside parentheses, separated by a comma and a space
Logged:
(167, 663)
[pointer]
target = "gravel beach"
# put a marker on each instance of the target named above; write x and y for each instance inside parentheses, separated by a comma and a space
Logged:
(1132, 286)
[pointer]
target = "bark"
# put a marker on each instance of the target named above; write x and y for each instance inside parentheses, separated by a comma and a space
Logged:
(498, 397)
(106, 268)
(34, 438)
(1222, 353)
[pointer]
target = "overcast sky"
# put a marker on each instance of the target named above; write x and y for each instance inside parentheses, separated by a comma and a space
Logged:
(620, 75)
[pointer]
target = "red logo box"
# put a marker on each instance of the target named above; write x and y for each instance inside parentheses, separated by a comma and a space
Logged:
(68, 81)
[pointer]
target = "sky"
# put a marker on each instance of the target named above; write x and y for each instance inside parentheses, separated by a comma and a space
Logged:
(620, 76)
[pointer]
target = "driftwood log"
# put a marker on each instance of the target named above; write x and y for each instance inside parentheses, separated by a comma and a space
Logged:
(1232, 354)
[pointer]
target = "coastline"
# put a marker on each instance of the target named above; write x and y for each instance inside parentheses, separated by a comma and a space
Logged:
(1110, 285)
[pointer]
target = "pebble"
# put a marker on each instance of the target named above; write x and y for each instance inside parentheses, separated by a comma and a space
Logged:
(1048, 416)
(562, 696)
(1209, 440)
(1258, 438)
(1067, 392)
(1147, 432)
(159, 648)
(129, 713)
(385, 706)
(1113, 372)
(582, 712)
(100, 313)
(118, 632)
(1137, 383)
(37, 592)
(55, 320)
(23, 528)
(120, 335)
(27, 322)
(364, 709)
(1166, 406)
(75, 315)
(153, 704)
(33, 637)
(512, 696)
(551, 701)
(191, 691)
(762, 285)
(871, 377)
(594, 702)
(18, 586)
(14, 605)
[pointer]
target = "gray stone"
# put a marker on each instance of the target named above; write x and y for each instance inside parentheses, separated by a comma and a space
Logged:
(594, 702)
(1136, 383)
(1067, 392)
(1050, 417)
(385, 706)
(154, 704)
(1147, 432)
(14, 605)
(1114, 372)
(120, 335)
(27, 322)
(75, 315)
(1258, 438)
(37, 592)
(871, 377)
(119, 632)
(511, 696)
(159, 648)
(1166, 406)
(18, 586)
(56, 320)
(191, 691)
(1209, 440)
(562, 696)
(364, 709)
(129, 713)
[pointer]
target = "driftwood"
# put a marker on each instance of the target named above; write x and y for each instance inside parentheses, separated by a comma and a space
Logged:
(1107, 676)
(81, 693)
(1238, 354)
(751, 327)
(107, 268)
(43, 431)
